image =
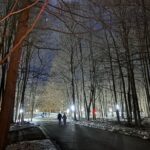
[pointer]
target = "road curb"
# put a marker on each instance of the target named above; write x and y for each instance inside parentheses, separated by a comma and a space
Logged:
(47, 137)
(43, 131)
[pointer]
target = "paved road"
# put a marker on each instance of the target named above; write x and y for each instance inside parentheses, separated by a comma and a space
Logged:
(75, 137)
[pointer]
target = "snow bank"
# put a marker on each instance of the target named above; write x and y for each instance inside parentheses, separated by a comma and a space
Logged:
(32, 145)
(18, 126)
(146, 122)
(108, 126)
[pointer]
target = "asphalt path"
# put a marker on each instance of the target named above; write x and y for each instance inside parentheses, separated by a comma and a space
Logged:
(75, 137)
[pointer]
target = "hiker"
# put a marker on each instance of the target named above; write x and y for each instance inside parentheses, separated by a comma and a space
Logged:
(64, 118)
(59, 118)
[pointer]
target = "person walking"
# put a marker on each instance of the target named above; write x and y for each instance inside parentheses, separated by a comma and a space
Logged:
(64, 118)
(59, 117)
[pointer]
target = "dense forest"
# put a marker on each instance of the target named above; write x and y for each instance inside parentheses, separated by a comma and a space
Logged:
(96, 51)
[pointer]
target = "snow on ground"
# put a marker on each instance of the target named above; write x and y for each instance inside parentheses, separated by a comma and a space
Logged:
(146, 121)
(109, 126)
(18, 126)
(46, 144)
(32, 145)
(43, 144)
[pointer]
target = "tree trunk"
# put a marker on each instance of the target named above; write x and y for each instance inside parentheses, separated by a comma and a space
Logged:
(10, 89)
(113, 79)
(72, 80)
(83, 80)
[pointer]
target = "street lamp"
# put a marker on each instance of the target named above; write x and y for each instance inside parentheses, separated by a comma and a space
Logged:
(110, 110)
(21, 111)
(82, 109)
(68, 110)
(117, 107)
(73, 108)
(36, 110)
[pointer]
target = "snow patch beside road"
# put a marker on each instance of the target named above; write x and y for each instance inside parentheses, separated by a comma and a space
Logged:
(108, 126)
(25, 144)
(32, 145)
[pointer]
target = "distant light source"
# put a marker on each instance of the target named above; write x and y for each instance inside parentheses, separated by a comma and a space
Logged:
(36, 110)
(21, 111)
(117, 107)
(94, 111)
(68, 110)
(110, 109)
(72, 108)
(82, 109)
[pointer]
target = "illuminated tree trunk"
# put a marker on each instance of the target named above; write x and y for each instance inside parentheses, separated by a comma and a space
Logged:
(131, 75)
(73, 80)
(25, 80)
(113, 78)
(82, 76)
(122, 79)
(10, 89)
(145, 51)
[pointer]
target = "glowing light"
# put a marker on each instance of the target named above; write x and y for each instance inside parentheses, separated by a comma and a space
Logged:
(94, 111)
(72, 108)
(117, 107)
(82, 109)
(36, 110)
(110, 109)
(68, 110)
(21, 111)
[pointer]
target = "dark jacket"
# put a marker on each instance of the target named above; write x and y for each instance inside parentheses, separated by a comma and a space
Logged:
(59, 116)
